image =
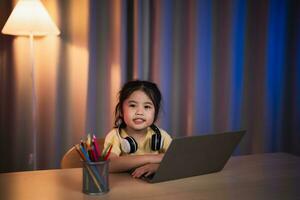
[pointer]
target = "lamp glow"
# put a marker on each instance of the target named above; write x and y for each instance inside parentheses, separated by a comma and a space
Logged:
(30, 18)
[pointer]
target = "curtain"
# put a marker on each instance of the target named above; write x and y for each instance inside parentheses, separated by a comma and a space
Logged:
(220, 65)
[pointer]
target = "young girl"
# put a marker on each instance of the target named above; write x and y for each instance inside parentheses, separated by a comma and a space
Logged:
(138, 145)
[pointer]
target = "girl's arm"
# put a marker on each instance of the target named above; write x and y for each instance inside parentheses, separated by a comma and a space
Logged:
(126, 163)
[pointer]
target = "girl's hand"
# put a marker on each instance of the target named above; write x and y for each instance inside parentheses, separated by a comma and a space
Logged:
(145, 170)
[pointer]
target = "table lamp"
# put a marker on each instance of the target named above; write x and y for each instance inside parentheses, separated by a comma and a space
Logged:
(30, 18)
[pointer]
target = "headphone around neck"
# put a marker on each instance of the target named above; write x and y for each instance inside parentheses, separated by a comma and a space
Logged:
(129, 145)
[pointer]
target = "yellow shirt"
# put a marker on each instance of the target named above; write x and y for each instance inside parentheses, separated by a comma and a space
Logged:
(144, 146)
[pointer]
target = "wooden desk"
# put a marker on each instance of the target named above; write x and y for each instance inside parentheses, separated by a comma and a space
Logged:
(261, 176)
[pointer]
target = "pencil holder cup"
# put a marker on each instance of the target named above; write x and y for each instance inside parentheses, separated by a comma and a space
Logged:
(95, 176)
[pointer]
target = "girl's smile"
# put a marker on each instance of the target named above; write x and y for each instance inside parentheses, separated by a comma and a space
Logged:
(138, 120)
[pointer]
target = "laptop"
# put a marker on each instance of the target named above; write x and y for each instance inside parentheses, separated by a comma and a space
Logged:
(196, 155)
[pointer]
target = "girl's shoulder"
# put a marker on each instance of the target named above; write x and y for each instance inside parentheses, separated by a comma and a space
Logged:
(163, 132)
(111, 134)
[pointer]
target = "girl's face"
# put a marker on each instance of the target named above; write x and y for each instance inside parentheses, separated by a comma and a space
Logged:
(138, 111)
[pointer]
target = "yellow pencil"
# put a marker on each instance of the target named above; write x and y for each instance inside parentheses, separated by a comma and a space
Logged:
(93, 177)
(88, 167)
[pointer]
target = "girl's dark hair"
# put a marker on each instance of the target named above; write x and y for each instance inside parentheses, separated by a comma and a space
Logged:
(150, 89)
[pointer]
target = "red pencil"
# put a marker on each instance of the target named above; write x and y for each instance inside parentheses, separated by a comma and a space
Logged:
(107, 155)
(97, 151)
(94, 153)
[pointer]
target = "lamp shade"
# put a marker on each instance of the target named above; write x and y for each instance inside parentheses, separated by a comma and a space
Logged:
(30, 17)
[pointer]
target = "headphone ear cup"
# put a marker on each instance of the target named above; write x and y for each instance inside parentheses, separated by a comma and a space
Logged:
(156, 142)
(129, 145)
(125, 146)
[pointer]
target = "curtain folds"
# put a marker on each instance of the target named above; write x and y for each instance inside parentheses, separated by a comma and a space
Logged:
(220, 65)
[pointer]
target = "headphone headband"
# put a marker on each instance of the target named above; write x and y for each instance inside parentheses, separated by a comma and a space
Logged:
(155, 129)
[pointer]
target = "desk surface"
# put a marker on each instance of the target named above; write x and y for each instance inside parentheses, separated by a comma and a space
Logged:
(260, 176)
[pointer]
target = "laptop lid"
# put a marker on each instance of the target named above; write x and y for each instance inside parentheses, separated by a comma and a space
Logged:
(196, 155)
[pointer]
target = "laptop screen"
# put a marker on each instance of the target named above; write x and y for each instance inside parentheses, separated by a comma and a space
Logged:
(196, 155)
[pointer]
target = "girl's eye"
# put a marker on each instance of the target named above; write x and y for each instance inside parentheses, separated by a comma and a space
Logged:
(148, 107)
(132, 105)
